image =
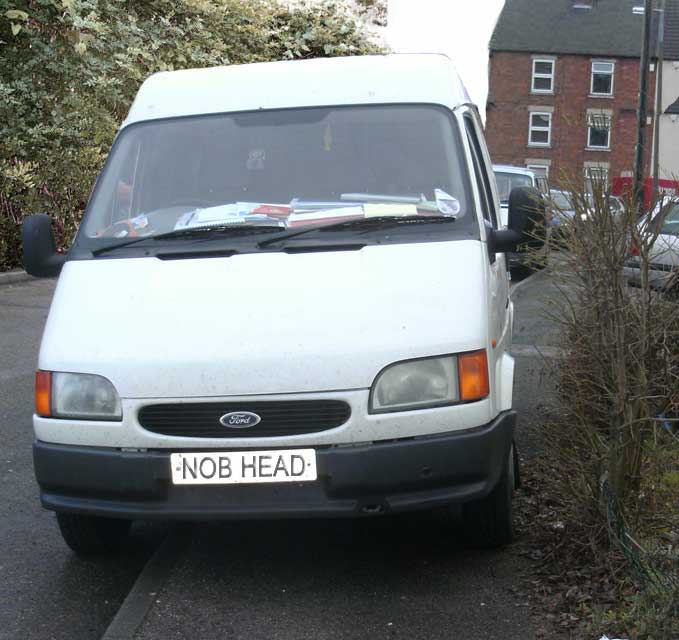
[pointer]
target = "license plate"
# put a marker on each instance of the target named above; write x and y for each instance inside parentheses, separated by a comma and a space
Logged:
(244, 467)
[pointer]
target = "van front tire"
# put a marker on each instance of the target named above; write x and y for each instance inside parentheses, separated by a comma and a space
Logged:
(489, 522)
(92, 535)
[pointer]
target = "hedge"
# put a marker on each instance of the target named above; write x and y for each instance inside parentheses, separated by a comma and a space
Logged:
(69, 70)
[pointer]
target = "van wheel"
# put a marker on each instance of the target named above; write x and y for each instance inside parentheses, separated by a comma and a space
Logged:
(92, 535)
(489, 522)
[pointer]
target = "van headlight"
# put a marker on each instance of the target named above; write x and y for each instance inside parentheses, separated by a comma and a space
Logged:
(431, 382)
(415, 384)
(83, 396)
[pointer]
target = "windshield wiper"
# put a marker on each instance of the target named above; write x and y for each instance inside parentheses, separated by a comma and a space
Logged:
(367, 224)
(206, 231)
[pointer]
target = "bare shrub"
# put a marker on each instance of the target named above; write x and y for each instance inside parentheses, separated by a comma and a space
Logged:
(611, 459)
(620, 366)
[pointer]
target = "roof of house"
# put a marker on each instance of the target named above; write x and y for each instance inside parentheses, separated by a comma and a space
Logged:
(608, 28)
(376, 79)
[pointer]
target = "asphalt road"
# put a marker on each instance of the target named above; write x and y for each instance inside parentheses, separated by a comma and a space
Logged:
(406, 577)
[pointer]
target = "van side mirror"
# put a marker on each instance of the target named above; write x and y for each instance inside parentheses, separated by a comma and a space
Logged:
(40, 251)
(526, 224)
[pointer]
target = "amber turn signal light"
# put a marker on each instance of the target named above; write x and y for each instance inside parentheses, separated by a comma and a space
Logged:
(43, 393)
(473, 374)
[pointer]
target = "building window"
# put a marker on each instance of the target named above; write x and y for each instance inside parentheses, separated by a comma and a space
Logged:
(540, 167)
(596, 178)
(540, 129)
(543, 76)
(602, 78)
(598, 131)
(540, 170)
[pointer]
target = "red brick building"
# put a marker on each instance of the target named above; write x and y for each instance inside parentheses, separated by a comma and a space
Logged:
(564, 83)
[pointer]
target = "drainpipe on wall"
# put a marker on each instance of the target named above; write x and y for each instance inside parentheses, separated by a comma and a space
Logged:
(641, 114)
(660, 59)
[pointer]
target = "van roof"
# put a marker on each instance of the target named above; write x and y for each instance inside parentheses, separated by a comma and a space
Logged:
(374, 79)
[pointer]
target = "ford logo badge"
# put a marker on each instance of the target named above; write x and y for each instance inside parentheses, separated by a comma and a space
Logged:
(240, 419)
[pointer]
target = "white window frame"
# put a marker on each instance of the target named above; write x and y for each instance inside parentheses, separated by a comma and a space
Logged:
(603, 171)
(591, 117)
(543, 75)
(531, 128)
(538, 169)
(591, 78)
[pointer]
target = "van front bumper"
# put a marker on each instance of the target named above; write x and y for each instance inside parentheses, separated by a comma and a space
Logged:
(353, 480)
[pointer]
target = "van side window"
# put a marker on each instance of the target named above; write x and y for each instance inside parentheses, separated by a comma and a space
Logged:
(481, 174)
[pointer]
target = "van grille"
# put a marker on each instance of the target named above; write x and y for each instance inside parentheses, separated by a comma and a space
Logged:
(285, 418)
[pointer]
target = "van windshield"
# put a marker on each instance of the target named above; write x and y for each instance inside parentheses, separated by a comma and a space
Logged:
(280, 169)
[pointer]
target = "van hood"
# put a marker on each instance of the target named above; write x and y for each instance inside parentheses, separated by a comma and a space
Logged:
(264, 323)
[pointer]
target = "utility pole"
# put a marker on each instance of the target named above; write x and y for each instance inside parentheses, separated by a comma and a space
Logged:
(643, 101)
(660, 58)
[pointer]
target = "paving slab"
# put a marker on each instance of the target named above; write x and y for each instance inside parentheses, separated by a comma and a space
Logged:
(533, 300)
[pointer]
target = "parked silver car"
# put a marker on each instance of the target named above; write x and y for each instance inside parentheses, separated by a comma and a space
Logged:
(563, 208)
(664, 254)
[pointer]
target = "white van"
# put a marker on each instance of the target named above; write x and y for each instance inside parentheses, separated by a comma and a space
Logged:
(286, 299)
(663, 255)
(508, 178)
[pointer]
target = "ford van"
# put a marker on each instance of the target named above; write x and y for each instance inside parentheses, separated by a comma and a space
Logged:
(287, 298)
(508, 178)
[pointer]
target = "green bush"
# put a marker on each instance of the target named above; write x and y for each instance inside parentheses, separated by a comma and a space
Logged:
(69, 70)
